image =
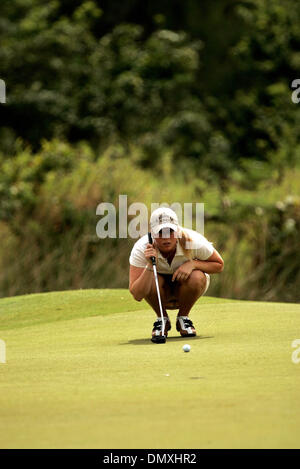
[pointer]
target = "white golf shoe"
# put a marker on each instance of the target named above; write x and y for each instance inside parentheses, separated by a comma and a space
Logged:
(157, 328)
(185, 326)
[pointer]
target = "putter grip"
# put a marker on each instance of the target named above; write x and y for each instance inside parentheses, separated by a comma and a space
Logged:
(151, 242)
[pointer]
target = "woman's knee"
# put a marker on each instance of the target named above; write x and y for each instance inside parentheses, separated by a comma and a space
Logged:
(197, 280)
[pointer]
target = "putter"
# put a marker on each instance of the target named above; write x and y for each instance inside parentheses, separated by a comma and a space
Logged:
(162, 338)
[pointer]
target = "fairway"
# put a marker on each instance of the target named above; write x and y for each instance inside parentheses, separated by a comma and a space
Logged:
(81, 372)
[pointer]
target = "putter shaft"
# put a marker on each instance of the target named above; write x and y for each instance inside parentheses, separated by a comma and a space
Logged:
(159, 300)
(157, 290)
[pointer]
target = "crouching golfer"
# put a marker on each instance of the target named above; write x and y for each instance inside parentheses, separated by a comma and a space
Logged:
(184, 261)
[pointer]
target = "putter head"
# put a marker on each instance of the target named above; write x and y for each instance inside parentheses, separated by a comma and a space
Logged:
(159, 340)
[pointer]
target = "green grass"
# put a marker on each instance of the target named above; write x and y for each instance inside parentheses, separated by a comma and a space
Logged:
(82, 372)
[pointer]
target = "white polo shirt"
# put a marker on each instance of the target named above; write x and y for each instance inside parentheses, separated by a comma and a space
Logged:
(202, 249)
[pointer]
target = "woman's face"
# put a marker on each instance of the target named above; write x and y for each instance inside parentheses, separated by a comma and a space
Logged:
(166, 240)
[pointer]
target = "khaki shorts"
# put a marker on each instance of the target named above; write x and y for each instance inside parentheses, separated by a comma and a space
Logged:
(171, 293)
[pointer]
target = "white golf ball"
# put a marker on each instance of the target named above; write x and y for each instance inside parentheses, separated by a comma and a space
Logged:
(186, 348)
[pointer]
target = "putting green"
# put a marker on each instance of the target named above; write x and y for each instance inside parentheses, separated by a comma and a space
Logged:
(82, 372)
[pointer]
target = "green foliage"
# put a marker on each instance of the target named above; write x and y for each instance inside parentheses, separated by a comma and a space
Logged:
(180, 103)
(48, 212)
(264, 121)
(215, 91)
(22, 175)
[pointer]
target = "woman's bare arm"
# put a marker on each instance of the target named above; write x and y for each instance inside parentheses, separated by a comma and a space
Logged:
(213, 265)
(139, 282)
(140, 279)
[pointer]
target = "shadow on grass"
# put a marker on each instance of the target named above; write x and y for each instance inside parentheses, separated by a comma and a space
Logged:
(169, 339)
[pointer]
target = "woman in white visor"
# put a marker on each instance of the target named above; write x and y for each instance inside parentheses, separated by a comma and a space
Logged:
(185, 259)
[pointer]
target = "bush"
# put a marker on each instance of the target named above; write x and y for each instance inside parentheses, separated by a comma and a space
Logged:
(48, 222)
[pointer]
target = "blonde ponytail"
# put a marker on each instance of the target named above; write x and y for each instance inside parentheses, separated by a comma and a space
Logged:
(184, 239)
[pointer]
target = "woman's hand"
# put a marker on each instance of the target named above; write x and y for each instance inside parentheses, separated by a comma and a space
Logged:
(149, 252)
(184, 271)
